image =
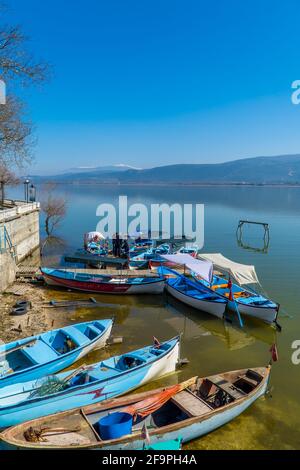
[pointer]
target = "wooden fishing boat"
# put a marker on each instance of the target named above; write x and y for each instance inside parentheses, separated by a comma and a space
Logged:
(192, 293)
(161, 261)
(190, 409)
(239, 299)
(87, 384)
(246, 300)
(141, 261)
(103, 284)
(47, 353)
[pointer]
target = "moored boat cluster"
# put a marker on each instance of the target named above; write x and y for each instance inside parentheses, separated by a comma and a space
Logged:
(84, 407)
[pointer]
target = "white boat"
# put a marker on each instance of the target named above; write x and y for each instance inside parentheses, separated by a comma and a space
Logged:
(192, 293)
(248, 302)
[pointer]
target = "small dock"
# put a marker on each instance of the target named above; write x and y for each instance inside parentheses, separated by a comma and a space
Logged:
(95, 260)
(28, 273)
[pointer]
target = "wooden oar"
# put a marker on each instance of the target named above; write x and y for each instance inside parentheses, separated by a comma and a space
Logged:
(74, 373)
(16, 348)
(238, 314)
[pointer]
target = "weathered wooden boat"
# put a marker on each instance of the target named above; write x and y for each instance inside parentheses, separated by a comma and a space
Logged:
(192, 293)
(246, 300)
(103, 284)
(191, 410)
(87, 384)
(47, 353)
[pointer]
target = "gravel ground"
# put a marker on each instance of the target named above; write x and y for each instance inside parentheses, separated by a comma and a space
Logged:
(37, 320)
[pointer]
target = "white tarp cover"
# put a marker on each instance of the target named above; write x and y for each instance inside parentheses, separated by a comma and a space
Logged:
(201, 267)
(243, 273)
(91, 236)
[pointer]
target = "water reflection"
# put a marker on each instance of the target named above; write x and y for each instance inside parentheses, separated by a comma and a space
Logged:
(194, 324)
(240, 233)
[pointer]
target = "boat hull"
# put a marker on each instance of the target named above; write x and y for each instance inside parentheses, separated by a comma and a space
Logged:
(58, 364)
(214, 308)
(266, 314)
(153, 287)
(188, 429)
(191, 431)
(15, 413)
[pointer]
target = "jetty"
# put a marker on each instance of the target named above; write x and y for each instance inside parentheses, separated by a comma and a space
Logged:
(81, 257)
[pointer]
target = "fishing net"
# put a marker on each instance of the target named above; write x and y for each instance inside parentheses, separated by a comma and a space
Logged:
(47, 386)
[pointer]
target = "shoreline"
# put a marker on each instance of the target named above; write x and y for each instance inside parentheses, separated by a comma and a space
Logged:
(37, 320)
(176, 184)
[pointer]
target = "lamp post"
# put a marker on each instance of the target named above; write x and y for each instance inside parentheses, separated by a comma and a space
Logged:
(26, 184)
(32, 193)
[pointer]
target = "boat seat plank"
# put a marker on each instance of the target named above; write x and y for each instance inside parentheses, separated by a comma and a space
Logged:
(40, 352)
(223, 384)
(76, 335)
(190, 404)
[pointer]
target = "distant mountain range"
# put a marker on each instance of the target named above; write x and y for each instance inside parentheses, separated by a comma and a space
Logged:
(282, 169)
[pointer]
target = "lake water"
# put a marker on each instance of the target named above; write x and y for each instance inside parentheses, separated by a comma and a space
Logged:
(211, 345)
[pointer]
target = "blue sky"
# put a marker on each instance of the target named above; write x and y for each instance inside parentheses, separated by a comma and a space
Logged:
(158, 82)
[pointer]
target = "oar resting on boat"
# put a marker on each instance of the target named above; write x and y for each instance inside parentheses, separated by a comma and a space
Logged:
(190, 409)
(86, 385)
(50, 352)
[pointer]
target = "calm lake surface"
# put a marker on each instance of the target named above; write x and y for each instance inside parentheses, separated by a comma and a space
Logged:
(211, 345)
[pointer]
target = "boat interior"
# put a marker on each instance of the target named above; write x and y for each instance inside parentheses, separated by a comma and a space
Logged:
(201, 398)
(192, 289)
(48, 346)
(240, 294)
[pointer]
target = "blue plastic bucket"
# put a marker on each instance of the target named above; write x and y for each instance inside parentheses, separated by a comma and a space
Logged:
(115, 425)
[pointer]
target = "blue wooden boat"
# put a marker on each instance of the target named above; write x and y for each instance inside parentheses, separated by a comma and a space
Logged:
(141, 261)
(87, 385)
(192, 293)
(244, 300)
(96, 249)
(200, 406)
(47, 353)
(103, 283)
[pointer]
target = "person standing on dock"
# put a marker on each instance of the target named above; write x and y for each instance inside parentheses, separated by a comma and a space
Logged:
(117, 245)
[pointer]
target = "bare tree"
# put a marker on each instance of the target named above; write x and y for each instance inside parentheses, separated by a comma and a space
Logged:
(7, 178)
(16, 63)
(54, 208)
(17, 67)
(16, 140)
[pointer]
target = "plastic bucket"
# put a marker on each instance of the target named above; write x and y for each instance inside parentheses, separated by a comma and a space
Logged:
(115, 425)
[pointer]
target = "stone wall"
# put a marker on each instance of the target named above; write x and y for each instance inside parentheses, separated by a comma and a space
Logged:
(22, 225)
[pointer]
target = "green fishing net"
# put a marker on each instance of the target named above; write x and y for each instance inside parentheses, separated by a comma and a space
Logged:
(47, 386)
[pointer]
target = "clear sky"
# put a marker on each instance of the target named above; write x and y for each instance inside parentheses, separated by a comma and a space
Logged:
(152, 82)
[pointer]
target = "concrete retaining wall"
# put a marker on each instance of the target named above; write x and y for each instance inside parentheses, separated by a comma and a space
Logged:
(22, 225)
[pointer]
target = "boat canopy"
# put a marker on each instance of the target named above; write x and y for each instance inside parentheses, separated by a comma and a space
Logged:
(203, 268)
(242, 273)
(93, 236)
